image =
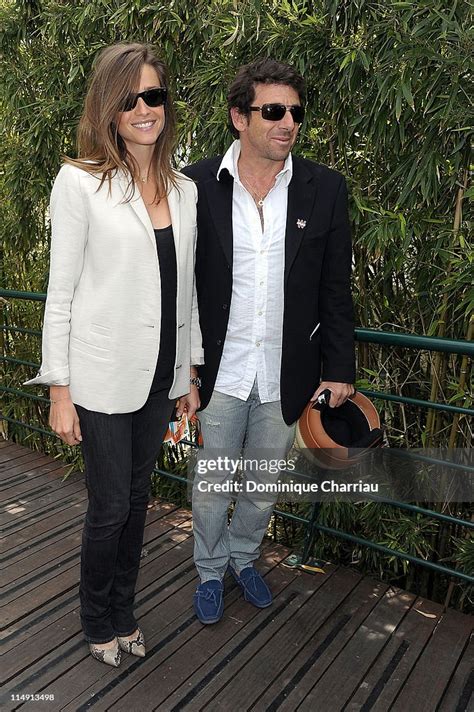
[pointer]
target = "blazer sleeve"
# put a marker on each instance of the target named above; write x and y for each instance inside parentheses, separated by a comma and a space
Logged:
(197, 351)
(69, 228)
(335, 301)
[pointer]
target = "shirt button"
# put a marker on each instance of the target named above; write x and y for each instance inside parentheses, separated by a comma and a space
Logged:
(219, 342)
(257, 343)
(224, 306)
(262, 252)
(262, 283)
(260, 313)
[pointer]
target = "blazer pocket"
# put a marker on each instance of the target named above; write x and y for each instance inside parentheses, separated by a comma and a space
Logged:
(89, 349)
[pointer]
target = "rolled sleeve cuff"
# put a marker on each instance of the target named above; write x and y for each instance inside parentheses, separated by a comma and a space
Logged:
(197, 358)
(55, 377)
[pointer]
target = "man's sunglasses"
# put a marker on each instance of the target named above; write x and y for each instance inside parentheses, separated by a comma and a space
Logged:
(275, 112)
(151, 97)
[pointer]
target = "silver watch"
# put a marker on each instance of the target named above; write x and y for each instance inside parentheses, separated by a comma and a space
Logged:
(195, 381)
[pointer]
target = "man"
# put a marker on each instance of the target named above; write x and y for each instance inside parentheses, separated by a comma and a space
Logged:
(273, 281)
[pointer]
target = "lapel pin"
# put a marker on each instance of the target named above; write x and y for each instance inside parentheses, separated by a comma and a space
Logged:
(301, 224)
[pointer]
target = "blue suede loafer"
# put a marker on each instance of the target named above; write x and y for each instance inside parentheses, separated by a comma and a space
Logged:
(209, 601)
(254, 587)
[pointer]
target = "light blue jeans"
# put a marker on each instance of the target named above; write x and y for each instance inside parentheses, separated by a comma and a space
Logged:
(232, 427)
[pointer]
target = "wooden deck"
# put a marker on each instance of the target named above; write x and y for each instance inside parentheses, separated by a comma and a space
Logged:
(332, 641)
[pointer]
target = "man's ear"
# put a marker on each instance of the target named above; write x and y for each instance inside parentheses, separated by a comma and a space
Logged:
(239, 120)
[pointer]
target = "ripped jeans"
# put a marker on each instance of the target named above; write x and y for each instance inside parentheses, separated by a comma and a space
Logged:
(232, 428)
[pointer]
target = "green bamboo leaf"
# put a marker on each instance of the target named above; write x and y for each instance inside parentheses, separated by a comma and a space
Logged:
(398, 105)
(406, 89)
(345, 61)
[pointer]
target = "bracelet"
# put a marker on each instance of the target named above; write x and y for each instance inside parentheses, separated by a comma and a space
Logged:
(195, 381)
(53, 402)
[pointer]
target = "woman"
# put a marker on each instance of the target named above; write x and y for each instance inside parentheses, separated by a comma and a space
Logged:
(121, 331)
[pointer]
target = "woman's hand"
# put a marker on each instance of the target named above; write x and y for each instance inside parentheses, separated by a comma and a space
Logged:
(189, 403)
(63, 418)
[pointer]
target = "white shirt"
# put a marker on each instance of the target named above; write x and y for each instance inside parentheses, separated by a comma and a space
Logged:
(253, 342)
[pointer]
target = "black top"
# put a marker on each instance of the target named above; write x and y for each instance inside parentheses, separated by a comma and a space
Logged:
(164, 372)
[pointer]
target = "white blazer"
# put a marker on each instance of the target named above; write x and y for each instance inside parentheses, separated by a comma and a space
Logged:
(101, 333)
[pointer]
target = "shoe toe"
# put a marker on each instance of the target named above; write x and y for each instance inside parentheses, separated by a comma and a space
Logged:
(253, 586)
(209, 601)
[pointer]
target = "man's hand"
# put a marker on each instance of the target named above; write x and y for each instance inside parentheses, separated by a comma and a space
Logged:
(340, 392)
(63, 418)
(189, 403)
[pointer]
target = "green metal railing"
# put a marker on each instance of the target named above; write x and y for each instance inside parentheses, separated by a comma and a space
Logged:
(452, 346)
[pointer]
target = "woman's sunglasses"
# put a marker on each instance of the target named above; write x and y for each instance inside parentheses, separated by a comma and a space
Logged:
(275, 112)
(151, 97)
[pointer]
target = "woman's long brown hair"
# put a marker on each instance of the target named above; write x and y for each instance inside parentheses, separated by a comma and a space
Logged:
(101, 150)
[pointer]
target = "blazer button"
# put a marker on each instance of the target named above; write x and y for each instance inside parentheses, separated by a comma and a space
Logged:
(225, 306)
(219, 342)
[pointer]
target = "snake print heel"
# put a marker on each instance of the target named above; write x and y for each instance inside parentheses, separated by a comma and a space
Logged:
(109, 656)
(133, 646)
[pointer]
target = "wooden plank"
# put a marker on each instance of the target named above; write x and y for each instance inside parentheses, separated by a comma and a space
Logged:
(75, 687)
(344, 642)
(37, 587)
(38, 542)
(32, 548)
(44, 583)
(71, 668)
(38, 531)
(53, 474)
(22, 508)
(39, 522)
(428, 681)
(18, 459)
(54, 471)
(28, 488)
(11, 450)
(6, 443)
(63, 546)
(29, 466)
(46, 548)
(218, 653)
(269, 662)
(67, 656)
(387, 676)
(26, 636)
(162, 642)
(326, 645)
(459, 694)
(170, 535)
(344, 677)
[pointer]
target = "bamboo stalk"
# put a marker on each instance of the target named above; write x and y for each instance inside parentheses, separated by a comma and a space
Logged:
(470, 328)
(465, 367)
(3, 431)
(437, 361)
(435, 372)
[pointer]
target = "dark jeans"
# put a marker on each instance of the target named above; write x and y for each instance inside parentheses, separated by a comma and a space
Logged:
(119, 451)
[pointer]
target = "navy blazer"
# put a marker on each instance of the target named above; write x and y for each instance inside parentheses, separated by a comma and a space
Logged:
(316, 282)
